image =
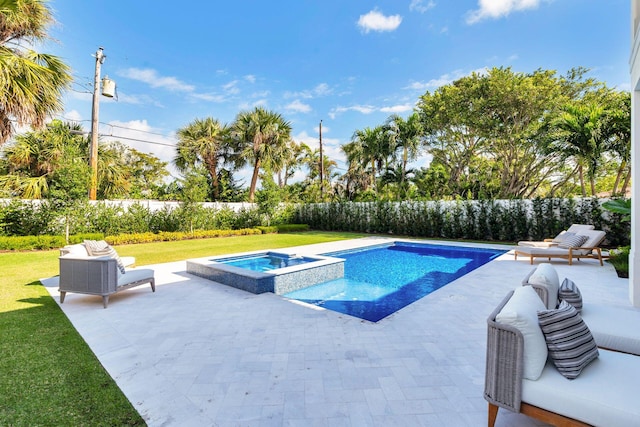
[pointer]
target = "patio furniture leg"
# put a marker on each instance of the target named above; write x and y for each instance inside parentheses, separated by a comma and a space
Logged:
(153, 284)
(105, 300)
(493, 414)
(62, 295)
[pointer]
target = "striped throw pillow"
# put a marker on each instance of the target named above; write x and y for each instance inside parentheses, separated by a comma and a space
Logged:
(562, 236)
(573, 241)
(102, 248)
(569, 340)
(570, 293)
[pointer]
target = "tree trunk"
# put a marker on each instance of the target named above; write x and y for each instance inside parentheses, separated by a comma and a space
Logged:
(623, 166)
(625, 184)
(582, 186)
(254, 181)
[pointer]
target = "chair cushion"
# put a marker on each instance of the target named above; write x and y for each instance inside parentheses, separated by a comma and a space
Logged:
(563, 236)
(521, 312)
(102, 248)
(570, 343)
(570, 293)
(605, 394)
(575, 241)
(614, 327)
(545, 275)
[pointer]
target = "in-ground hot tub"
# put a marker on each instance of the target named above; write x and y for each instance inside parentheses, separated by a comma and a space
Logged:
(268, 271)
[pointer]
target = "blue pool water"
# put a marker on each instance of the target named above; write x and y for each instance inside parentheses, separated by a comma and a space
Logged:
(265, 262)
(381, 280)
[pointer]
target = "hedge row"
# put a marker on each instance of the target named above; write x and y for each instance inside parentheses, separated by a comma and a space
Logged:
(497, 220)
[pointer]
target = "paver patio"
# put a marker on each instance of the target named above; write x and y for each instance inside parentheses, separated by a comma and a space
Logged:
(198, 353)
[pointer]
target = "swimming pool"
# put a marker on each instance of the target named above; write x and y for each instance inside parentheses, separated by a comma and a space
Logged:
(266, 262)
(380, 280)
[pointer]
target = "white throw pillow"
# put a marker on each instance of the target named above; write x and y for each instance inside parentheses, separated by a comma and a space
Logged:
(545, 275)
(521, 311)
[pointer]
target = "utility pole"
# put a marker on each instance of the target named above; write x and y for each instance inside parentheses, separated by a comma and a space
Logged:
(321, 165)
(93, 151)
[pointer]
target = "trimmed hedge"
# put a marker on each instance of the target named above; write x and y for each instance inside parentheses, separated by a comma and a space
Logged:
(499, 220)
(29, 243)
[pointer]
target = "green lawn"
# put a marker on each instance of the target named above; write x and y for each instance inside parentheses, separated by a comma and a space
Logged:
(48, 375)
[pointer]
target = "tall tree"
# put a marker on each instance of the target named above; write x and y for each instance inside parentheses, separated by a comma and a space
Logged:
(580, 136)
(31, 161)
(406, 136)
(31, 83)
(203, 142)
(259, 136)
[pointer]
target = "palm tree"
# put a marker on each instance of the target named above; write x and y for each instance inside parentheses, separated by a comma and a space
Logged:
(32, 160)
(405, 135)
(580, 136)
(370, 147)
(203, 142)
(619, 124)
(259, 136)
(31, 83)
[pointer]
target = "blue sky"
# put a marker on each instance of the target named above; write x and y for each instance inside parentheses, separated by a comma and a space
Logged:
(350, 64)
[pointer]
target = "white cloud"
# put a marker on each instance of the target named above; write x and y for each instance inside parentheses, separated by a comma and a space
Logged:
(495, 9)
(211, 97)
(298, 107)
(250, 78)
(442, 80)
(322, 89)
(397, 108)
(419, 6)
(231, 87)
(364, 109)
(376, 21)
(151, 77)
(73, 116)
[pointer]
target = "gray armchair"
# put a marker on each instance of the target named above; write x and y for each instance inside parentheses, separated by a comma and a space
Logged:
(99, 276)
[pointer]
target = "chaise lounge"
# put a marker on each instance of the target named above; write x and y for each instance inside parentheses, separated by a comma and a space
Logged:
(547, 243)
(586, 244)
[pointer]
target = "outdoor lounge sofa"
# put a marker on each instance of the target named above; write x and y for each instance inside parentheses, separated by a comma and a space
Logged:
(605, 393)
(613, 328)
(546, 243)
(98, 275)
(589, 249)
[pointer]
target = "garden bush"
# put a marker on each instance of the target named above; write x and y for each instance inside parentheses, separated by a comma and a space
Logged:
(498, 220)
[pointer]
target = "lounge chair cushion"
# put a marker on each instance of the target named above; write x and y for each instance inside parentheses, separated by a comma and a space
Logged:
(613, 327)
(570, 343)
(575, 241)
(521, 313)
(545, 275)
(102, 248)
(570, 293)
(605, 394)
(562, 236)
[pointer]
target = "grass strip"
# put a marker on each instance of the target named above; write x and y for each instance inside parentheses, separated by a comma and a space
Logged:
(50, 376)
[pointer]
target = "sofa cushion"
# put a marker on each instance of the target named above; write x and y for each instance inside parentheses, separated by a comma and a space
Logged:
(75, 250)
(614, 327)
(102, 248)
(545, 275)
(573, 241)
(605, 394)
(570, 293)
(521, 312)
(571, 345)
(135, 275)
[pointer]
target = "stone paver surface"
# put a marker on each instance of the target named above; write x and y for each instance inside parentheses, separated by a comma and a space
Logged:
(198, 353)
